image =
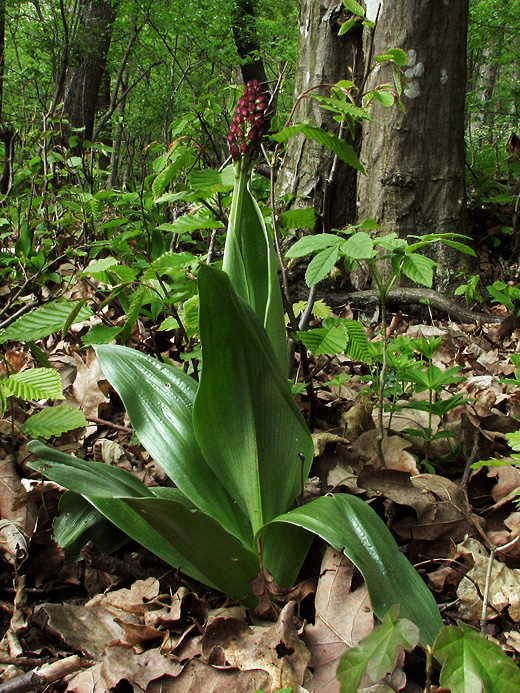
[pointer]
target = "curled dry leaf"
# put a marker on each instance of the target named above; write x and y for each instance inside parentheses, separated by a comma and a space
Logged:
(504, 591)
(343, 618)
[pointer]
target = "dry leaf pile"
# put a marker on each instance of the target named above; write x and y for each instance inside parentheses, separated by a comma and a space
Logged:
(130, 623)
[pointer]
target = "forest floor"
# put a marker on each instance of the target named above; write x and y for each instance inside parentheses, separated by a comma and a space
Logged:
(128, 622)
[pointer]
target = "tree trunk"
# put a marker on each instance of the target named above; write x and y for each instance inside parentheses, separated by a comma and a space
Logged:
(83, 76)
(415, 160)
(247, 42)
(323, 58)
(2, 56)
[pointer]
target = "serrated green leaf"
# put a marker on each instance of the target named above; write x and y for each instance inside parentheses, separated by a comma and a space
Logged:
(297, 218)
(132, 313)
(101, 334)
(343, 150)
(169, 263)
(192, 222)
(359, 246)
(42, 322)
(36, 383)
(320, 265)
(397, 55)
(462, 247)
(354, 7)
(54, 421)
(357, 345)
(473, 663)
(384, 97)
(419, 268)
(341, 106)
(211, 181)
(332, 340)
(165, 177)
(320, 309)
(377, 653)
(308, 245)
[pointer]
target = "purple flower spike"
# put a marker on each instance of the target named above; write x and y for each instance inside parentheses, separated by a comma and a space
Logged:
(248, 125)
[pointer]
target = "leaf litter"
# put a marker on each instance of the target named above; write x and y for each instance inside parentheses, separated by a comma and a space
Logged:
(148, 629)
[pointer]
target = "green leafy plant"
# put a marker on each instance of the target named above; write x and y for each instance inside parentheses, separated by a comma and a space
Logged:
(41, 384)
(400, 254)
(235, 446)
(469, 661)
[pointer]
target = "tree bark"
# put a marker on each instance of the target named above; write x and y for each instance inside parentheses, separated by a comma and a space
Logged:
(82, 81)
(323, 58)
(415, 160)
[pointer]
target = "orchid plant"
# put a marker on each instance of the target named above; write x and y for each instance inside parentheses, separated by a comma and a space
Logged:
(235, 445)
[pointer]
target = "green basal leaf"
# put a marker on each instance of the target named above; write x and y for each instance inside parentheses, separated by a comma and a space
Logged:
(86, 477)
(159, 402)
(79, 522)
(350, 525)
(187, 539)
(42, 322)
(54, 421)
(36, 383)
(248, 426)
(251, 263)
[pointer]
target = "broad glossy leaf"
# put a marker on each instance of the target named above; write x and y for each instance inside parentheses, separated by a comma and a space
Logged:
(248, 426)
(79, 522)
(220, 559)
(251, 263)
(159, 402)
(186, 538)
(85, 477)
(350, 525)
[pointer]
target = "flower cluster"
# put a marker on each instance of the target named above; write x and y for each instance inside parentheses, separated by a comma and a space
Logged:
(248, 125)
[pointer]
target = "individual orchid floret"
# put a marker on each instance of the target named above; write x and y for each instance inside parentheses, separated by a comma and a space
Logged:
(248, 125)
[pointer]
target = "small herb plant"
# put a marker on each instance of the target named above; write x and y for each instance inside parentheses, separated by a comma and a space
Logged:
(327, 249)
(235, 445)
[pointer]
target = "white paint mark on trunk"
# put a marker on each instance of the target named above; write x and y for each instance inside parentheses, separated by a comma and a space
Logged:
(444, 76)
(371, 9)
